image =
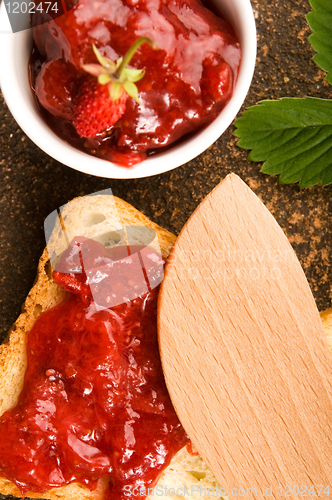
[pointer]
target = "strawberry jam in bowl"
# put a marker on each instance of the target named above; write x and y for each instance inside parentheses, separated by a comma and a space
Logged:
(186, 76)
(144, 84)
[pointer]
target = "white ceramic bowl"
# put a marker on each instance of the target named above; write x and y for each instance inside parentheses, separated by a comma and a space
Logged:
(14, 56)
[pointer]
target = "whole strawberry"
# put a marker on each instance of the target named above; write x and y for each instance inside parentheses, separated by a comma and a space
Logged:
(94, 109)
(102, 96)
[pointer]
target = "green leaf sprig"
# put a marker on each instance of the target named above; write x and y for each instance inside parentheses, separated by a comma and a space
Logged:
(293, 137)
(116, 74)
(320, 21)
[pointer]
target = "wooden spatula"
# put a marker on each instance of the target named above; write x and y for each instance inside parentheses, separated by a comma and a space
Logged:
(243, 350)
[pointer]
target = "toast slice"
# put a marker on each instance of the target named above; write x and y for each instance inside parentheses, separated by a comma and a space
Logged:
(105, 218)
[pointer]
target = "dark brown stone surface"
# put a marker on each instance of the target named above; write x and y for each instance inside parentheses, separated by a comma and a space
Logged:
(33, 184)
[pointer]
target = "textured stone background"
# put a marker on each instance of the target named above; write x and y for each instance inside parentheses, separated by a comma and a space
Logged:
(32, 184)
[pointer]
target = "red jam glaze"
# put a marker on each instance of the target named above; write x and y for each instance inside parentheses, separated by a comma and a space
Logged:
(94, 402)
(188, 80)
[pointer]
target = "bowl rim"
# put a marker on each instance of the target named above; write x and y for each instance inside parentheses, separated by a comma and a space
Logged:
(21, 106)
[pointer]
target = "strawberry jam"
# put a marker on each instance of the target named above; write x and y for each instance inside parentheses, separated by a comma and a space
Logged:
(94, 403)
(189, 77)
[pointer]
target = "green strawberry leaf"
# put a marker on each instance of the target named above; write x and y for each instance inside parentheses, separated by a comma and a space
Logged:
(133, 74)
(115, 90)
(293, 137)
(104, 61)
(93, 69)
(104, 79)
(320, 21)
(131, 90)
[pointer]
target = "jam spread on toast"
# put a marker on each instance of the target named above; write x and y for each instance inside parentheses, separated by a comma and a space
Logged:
(189, 76)
(94, 402)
